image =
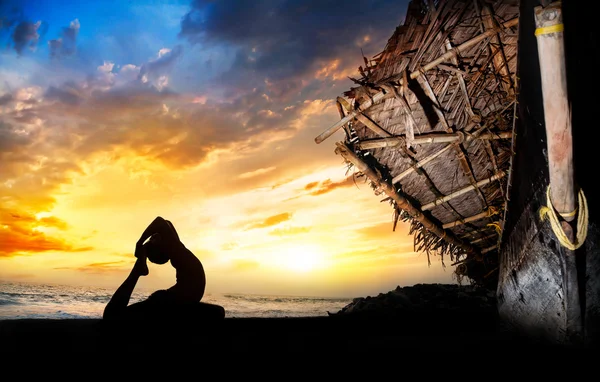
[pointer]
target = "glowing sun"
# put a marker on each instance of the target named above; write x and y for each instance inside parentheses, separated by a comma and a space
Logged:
(302, 258)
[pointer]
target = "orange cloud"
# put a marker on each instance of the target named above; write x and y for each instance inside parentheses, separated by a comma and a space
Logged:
(385, 230)
(105, 267)
(260, 171)
(52, 221)
(14, 243)
(333, 70)
(270, 221)
(328, 186)
(19, 234)
(244, 265)
(229, 246)
(289, 231)
(311, 185)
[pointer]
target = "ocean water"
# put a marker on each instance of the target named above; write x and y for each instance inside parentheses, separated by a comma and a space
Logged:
(27, 300)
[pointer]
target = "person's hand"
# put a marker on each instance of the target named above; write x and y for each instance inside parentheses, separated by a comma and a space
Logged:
(166, 231)
(140, 251)
(140, 268)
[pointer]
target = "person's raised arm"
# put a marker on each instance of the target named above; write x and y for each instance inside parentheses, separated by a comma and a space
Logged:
(163, 228)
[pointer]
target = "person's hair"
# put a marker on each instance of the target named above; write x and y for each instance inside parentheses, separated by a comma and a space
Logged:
(154, 251)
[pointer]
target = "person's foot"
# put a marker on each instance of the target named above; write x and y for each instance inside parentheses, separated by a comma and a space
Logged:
(141, 267)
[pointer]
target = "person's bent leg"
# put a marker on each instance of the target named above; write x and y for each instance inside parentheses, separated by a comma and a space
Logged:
(118, 303)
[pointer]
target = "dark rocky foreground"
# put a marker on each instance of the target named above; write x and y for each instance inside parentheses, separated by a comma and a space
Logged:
(411, 322)
(422, 297)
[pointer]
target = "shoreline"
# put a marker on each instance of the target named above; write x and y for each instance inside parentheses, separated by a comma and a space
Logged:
(410, 321)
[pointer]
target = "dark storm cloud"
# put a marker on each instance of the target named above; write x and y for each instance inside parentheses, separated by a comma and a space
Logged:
(21, 32)
(25, 35)
(283, 39)
(66, 44)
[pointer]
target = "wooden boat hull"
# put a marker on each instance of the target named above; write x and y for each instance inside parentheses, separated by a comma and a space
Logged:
(545, 290)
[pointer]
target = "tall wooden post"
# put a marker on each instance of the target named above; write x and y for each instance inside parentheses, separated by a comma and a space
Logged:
(557, 115)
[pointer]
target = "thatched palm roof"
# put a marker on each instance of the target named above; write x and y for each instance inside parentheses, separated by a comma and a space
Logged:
(430, 124)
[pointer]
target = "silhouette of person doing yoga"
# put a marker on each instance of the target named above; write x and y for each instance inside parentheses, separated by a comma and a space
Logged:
(182, 300)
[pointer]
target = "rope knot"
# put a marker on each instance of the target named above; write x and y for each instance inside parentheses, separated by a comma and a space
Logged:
(548, 212)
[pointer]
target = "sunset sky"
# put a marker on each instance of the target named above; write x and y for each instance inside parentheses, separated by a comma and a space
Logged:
(204, 113)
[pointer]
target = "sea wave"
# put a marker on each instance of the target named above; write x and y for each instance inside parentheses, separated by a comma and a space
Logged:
(23, 300)
(8, 302)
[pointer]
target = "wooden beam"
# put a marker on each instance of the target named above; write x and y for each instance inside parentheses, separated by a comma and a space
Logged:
(427, 138)
(559, 140)
(453, 195)
(402, 202)
(409, 154)
(420, 164)
(437, 107)
(451, 68)
(424, 161)
(461, 82)
(412, 124)
(495, 45)
(557, 112)
(469, 235)
(484, 238)
(466, 220)
(460, 152)
(490, 153)
(364, 119)
(340, 110)
(382, 95)
(488, 249)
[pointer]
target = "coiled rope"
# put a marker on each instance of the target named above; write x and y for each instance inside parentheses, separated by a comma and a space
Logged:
(549, 212)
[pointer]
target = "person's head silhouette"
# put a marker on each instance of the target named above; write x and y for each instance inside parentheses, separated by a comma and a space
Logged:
(155, 250)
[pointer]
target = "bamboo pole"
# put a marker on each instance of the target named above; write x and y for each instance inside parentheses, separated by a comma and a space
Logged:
(451, 69)
(461, 81)
(488, 249)
(424, 161)
(460, 154)
(412, 124)
(428, 138)
(500, 61)
(437, 106)
(484, 238)
(420, 164)
(556, 107)
(466, 220)
(471, 234)
(471, 187)
(402, 202)
(364, 119)
(381, 95)
(340, 110)
(557, 116)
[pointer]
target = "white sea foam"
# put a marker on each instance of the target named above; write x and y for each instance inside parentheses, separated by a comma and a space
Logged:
(27, 300)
